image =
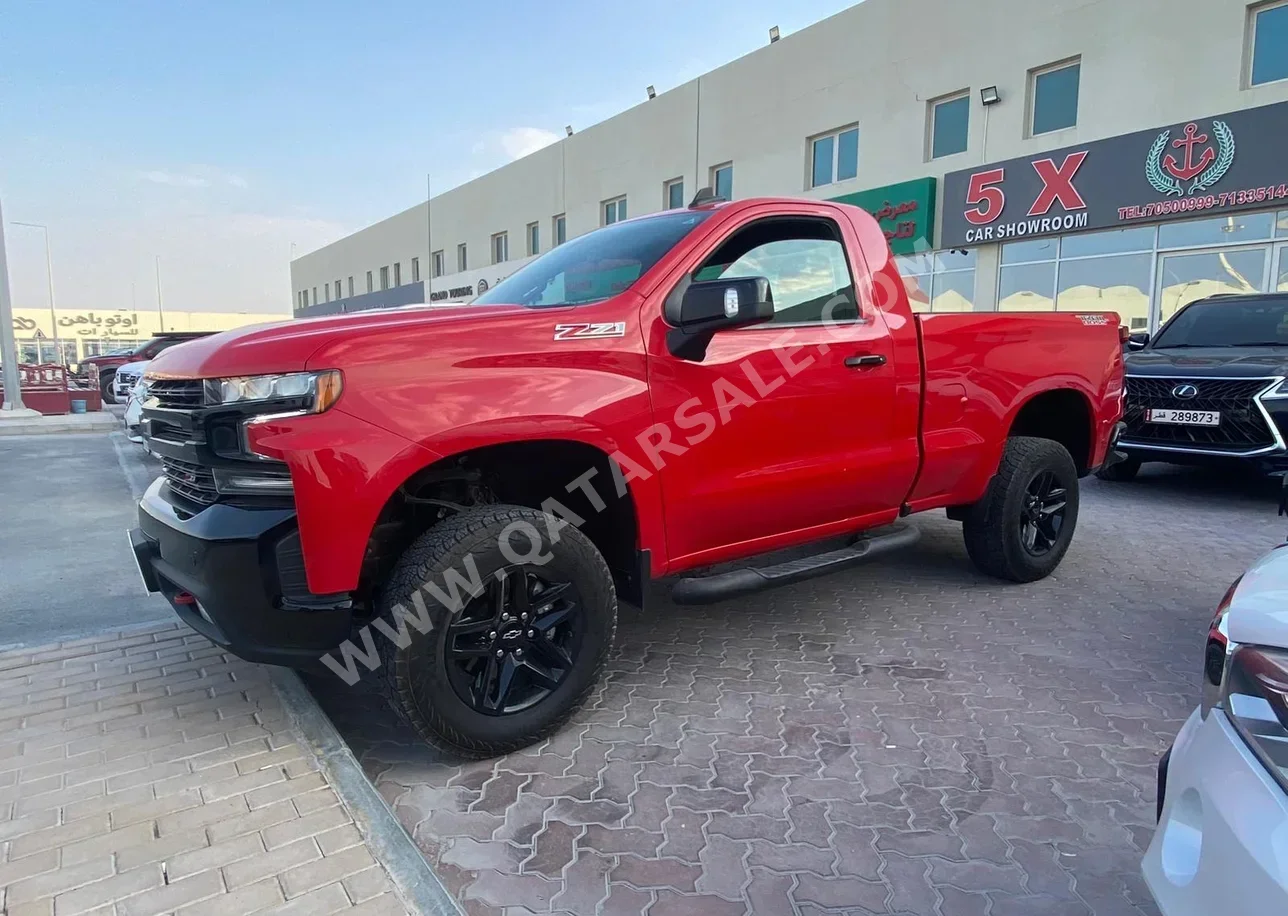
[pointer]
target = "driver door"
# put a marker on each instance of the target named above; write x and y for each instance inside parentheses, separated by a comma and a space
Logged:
(786, 427)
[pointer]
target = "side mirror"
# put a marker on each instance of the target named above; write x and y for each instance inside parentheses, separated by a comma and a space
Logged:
(1138, 341)
(708, 306)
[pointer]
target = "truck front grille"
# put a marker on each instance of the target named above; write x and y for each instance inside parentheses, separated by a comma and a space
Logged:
(1243, 426)
(178, 394)
(191, 481)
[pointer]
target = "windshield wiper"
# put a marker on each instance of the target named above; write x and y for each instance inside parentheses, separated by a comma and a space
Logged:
(1260, 343)
(1175, 346)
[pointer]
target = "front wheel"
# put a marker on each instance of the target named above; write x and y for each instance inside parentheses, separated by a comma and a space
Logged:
(1022, 527)
(518, 651)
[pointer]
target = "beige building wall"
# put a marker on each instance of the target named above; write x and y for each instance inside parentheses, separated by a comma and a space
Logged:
(878, 65)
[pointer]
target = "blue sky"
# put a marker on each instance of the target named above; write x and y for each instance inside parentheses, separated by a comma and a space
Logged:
(217, 134)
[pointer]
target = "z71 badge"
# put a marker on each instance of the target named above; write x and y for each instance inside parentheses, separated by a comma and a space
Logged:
(1094, 320)
(590, 329)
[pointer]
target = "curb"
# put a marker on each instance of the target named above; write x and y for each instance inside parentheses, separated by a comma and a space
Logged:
(390, 844)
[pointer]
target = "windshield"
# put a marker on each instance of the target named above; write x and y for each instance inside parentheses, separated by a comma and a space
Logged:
(1250, 322)
(595, 266)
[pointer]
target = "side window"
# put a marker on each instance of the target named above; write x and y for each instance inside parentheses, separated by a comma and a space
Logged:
(804, 262)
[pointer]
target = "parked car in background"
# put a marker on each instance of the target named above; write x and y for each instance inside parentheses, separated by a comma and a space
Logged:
(126, 377)
(1210, 388)
(101, 370)
(134, 413)
(1219, 846)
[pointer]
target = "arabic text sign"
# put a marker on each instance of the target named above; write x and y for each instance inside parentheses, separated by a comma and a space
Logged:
(905, 212)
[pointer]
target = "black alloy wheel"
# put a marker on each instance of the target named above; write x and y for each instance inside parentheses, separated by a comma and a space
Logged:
(513, 645)
(1042, 516)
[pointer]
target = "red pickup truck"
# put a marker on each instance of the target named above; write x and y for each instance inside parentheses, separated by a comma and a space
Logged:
(458, 496)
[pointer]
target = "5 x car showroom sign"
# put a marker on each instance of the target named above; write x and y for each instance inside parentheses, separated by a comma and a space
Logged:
(1214, 165)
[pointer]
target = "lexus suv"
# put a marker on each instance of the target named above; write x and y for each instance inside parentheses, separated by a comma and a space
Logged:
(1209, 387)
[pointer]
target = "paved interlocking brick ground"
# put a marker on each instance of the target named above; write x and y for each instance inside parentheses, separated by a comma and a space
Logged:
(908, 737)
(146, 772)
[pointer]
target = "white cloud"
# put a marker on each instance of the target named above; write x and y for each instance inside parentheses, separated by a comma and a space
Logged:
(518, 142)
(175, 179)
(197, 176)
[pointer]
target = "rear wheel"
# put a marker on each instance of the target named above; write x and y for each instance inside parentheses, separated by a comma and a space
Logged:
(1122, 472)
(1022, 527)
(511, 664)
(106, 385)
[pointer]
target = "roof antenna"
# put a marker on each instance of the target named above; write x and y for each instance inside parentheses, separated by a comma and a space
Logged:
(703, 197)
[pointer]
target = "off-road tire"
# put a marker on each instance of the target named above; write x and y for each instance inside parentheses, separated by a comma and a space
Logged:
(106, 388)
(992, 527)
(1122, 472)
(435, 710)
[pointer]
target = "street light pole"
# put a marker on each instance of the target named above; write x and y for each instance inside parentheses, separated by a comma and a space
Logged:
(8, 344)
(49, 272)
(160, 311)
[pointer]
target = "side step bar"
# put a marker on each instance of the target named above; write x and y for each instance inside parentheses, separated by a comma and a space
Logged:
(720, 587)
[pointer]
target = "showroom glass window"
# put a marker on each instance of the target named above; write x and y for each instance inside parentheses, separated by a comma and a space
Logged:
(722, 181)
(940, 281)
(949, 126)
(1055, 98)
(834, 157)
(1269, 43)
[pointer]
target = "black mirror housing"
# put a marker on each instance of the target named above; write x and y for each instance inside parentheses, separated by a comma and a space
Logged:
(1138, 341)
(708, 306)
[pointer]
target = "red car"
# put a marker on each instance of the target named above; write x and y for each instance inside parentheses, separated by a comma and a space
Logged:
(101, 370)
(457, 497)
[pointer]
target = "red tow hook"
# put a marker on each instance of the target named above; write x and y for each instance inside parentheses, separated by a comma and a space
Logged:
(185, 598)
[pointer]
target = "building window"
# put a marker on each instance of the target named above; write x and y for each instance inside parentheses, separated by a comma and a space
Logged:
(949, 125)
(436, 264)
(561, 229)
(301, 301)
(397, 273)
(351, 286)
(534, 239)
(384, 278)
(370, 287)
(940, 281)
(1054, 91)
(415, 270)
(326, 292)
(500, 248)
(1269, 24)
(614, 210)
(315, 295)
(834, 157)
(673, 194)
(722, 181)
(462, 260)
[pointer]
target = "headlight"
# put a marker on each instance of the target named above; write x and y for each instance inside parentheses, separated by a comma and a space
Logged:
(1279, 391)
(318, 390)
(1256, 700)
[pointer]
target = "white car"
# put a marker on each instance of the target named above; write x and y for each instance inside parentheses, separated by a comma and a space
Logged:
(1221, 845)
(127, 376)
(134, 414)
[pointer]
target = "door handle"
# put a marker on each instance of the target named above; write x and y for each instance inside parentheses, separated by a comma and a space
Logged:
(866, 361)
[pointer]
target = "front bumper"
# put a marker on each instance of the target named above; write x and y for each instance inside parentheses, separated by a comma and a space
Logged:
(1220, 844)
(236, 576)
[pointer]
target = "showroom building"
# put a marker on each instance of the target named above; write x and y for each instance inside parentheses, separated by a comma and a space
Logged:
(1020, 155)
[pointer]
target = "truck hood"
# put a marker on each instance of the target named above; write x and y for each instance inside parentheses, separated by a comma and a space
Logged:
(1259, 608)
(286, 346)
(1231, 362)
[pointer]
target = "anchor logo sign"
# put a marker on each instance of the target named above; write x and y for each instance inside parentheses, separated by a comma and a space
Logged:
(1206, 159)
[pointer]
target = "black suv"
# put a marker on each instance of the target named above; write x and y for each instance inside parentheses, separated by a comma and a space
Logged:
(1210, 387)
